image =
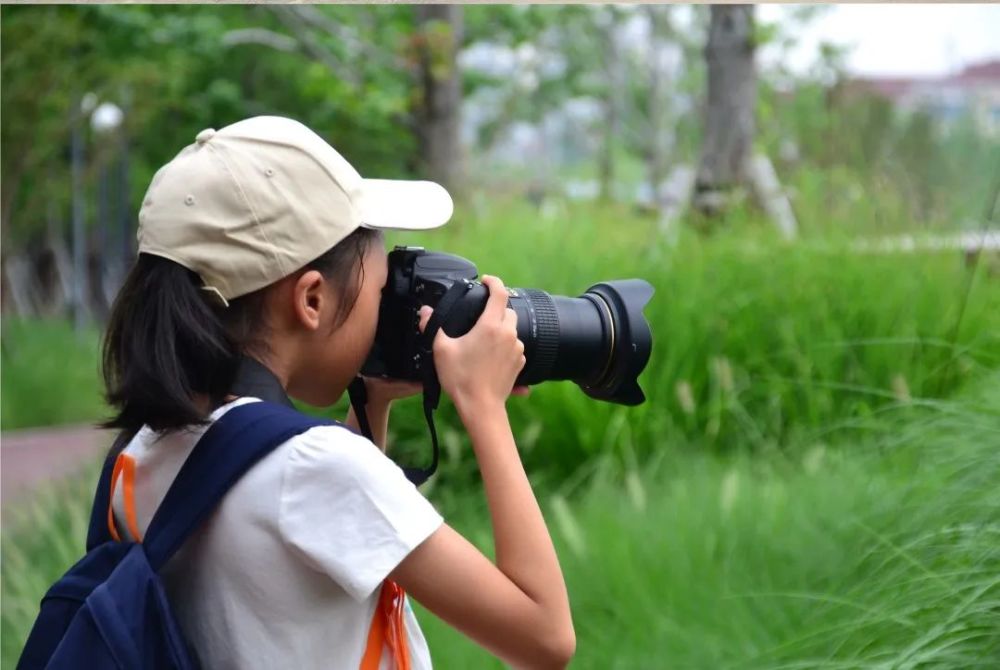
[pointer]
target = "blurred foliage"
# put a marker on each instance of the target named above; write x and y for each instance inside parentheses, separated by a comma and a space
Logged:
(349, 73)
(171, 68)
(48, 375)
(933, 176)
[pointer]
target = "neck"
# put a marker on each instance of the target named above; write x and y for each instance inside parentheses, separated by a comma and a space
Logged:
(256, 378)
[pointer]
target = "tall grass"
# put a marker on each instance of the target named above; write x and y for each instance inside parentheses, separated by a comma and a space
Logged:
(48, 375)
(758, 344)
(798, 490)
(880, 554)
(41, 539)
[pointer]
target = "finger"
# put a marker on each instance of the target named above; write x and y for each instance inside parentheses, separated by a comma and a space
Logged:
(497, 302)
(440, 339)
(425, 316)
(510, 317)
(521, 391)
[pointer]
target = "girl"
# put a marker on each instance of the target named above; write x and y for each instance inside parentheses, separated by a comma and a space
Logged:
(259, 276)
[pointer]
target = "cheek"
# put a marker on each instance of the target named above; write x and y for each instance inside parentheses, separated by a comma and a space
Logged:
(372, 298)
(372, 316)
(359, 330)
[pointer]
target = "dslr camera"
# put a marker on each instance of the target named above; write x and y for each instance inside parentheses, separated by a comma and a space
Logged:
(599, 340)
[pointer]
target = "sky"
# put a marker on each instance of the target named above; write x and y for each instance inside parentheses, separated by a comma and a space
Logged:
(899, 39)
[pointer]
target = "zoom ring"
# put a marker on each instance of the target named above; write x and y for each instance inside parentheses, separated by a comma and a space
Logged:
(546, 344)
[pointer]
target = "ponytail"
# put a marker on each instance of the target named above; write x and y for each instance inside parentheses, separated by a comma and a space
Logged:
(168, 344)
(164, 346)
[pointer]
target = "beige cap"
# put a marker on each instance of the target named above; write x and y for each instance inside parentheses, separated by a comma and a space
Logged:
(257, 200)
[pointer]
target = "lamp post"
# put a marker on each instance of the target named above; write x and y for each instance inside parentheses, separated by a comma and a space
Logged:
(84, 107)
(105, 122)
(126, 237)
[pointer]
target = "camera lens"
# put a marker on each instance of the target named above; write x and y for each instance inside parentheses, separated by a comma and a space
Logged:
(600, 340)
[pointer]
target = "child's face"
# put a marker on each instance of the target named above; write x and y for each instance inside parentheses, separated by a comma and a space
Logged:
(332, 355)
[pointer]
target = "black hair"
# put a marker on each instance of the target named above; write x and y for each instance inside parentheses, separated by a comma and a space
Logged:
(168, 342)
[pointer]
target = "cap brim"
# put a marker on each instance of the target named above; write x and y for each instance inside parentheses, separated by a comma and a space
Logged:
(403, 205)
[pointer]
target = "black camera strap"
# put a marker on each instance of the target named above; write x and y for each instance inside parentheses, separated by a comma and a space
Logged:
(358, 394)
(432, 386)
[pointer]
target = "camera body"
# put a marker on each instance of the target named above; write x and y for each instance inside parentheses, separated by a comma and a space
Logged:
(415, 278)
(599, 340)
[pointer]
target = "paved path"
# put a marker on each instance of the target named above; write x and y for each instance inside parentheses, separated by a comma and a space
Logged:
(33, 457)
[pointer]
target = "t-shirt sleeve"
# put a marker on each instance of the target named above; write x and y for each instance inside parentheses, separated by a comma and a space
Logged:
(348, 511)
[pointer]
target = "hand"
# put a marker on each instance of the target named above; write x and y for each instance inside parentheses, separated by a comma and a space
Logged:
(482, 365)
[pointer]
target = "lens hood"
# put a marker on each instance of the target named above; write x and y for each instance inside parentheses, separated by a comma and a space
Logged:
(622, 301)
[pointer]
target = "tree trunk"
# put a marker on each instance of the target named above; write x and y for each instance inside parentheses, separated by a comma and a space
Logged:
(18, 285)
(437, 114)
(611, 104)
(81, 286)
(729, 112)
(659, 26)
(61, 293)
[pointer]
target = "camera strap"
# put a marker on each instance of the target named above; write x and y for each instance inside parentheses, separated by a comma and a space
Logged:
(358, 394)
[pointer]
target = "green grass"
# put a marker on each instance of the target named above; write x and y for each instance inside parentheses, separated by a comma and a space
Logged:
(758, 344)
(40, 541)
(801, 489)
(880, 554)
(883, 553)
(48, 375)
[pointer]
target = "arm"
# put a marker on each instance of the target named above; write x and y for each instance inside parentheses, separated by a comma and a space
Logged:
(519, 608)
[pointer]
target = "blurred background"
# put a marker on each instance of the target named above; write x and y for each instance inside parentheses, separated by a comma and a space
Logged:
(812, 190)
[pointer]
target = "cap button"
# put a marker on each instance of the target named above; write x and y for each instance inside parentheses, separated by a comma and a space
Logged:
(205, 135)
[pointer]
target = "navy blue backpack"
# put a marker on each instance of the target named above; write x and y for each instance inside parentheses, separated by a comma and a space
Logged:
(110, 609)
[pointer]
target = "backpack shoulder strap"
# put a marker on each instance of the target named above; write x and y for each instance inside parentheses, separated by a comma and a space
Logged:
(98, 533)
(230, 447)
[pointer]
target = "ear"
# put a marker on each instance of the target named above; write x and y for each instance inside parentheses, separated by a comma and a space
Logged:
(312, 301)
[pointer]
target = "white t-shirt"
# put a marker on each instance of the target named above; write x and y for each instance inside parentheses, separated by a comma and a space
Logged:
(287, 571)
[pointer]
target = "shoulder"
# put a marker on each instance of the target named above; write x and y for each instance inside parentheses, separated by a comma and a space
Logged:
(347, 510)
(337, 451)
(336, 471)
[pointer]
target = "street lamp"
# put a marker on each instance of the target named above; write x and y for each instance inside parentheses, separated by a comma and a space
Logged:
(105, 121)
(106, 118)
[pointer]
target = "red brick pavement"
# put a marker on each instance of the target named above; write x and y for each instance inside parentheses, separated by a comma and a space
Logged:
(30, 458)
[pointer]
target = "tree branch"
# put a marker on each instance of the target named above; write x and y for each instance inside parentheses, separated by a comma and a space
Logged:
(311, 15)
(260, 37)
(292, 19)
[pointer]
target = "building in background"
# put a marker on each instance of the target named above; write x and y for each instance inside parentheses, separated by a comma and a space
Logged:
(973, 92)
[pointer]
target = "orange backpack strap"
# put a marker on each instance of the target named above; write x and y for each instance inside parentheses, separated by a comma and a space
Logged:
(115, 473)
(388, 629)
(125, 468)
